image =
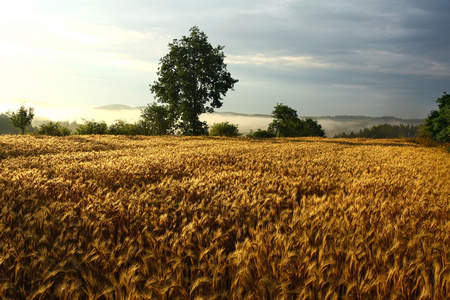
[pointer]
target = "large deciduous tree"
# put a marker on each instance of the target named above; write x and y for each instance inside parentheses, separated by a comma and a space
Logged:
(192, 79)
(22, 118)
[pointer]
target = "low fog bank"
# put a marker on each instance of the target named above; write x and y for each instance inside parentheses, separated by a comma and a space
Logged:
(110, 114)
(339, 124)
(331, 125)
(244, 122)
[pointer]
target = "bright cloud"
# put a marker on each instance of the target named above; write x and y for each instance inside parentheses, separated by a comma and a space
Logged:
(276, 61)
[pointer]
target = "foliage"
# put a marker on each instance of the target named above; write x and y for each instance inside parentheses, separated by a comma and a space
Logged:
(192, 79)
(383, 131)
(113, 217)
(120, 127)
(159, 119)
(5, 125)
(312, 128)
(54, 129)
(22, 118)
(142, 127)
(92, 127)
(261, 133)
(224, 129)
(286, 123)
(437, 124)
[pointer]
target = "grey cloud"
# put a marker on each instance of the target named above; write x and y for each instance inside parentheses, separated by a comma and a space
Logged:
(377, 51)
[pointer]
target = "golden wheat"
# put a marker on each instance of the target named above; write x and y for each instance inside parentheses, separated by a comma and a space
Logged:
(108, 217)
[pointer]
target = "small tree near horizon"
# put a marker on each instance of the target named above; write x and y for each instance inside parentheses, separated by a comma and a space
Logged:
(312, 128)
(192, 79)
(224, 129)
(22, 118)
(285, 121)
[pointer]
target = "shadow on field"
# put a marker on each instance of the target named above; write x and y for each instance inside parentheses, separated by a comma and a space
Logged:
(371, 142)
(346, 142)
(94, 143)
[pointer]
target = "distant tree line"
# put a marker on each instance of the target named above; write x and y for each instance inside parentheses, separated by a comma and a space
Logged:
(435, 128)
(384, 131)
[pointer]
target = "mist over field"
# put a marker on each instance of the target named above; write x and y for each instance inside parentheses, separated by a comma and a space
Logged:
(332, 124)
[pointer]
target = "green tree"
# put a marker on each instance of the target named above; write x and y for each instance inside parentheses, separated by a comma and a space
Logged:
(260, 133)
(142, 127)
(5, 125)
(122, 128)
(312, 128)
(224, 129)
(159, 119)
(22, 118)
(192, 79)
(437, 124)
(54, 129)
(286, 122)
(92, 127)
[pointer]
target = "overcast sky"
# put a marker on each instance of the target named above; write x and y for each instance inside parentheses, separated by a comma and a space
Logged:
(372, 58)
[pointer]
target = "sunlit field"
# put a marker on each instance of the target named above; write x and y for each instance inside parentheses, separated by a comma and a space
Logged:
(104, 217)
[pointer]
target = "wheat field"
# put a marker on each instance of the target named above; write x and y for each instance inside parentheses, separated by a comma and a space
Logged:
(104, 217)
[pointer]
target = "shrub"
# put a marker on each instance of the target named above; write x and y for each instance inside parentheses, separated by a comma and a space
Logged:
(54, 129)
(224, 129)
(122, 128)
(261, 134)
(92, 127)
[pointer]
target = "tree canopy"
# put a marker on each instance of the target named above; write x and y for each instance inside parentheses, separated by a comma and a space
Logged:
(54, 129)
(5, 125)
(224, 129)
(286, 123)
(92, 127)
(22, 118)
(437, 124)
(192, 79)
(159, 119)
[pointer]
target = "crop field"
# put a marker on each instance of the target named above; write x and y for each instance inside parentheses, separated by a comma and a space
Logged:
(105, 217)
